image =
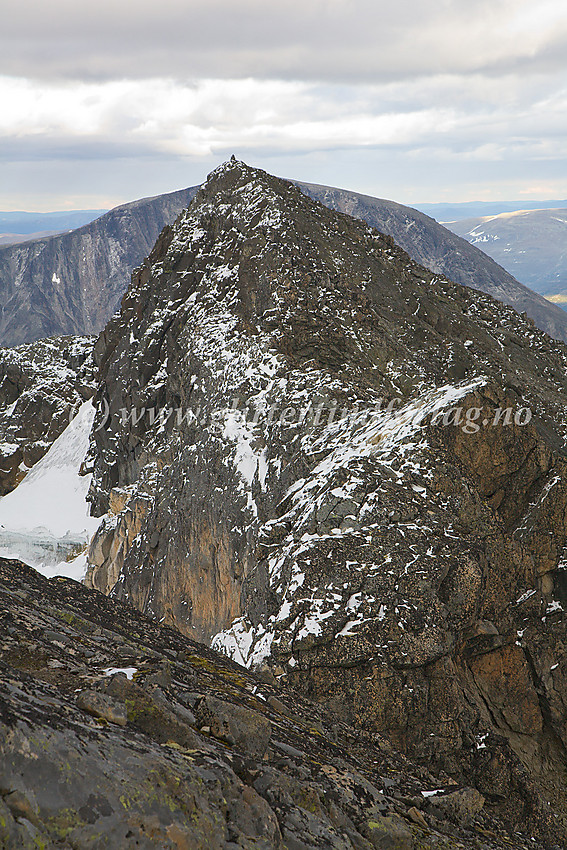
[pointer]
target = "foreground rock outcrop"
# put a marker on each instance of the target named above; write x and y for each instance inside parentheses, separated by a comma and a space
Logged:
(347, 470)
(117, 732)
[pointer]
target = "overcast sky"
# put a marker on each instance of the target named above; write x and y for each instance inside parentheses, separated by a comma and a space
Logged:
(413, 100)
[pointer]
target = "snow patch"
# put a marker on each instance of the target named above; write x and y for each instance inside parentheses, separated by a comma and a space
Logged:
(128, 671)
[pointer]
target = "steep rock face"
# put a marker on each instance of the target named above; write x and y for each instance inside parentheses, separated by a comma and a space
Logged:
(445, 252)
(357, 479)
(41, 388)
(118, 732)
(72, 283)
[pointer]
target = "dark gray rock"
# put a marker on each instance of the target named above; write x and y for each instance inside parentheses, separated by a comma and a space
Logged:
(461, 806)
(389, 833)
(152, 716)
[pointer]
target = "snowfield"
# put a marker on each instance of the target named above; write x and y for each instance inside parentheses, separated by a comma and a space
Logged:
(45, 521)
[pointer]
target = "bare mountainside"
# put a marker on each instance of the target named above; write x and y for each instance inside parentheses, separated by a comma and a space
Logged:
(531, 244)
(31, 222)
(72, 283)
(448, 211)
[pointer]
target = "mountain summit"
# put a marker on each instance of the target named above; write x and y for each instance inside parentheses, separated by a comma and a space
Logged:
(347, 471)
(72, 283)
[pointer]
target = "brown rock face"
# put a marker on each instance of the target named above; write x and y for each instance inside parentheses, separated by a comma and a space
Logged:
(359, 483)
(504, 681)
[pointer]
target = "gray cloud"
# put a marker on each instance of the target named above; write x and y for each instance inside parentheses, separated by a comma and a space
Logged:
(301, 39)
(413, 100)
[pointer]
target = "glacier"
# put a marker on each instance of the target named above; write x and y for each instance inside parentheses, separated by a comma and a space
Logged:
(45, 521)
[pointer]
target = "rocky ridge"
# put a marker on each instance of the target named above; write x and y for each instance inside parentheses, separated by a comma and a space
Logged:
(448, 250)
(116, 731)
(317, 497)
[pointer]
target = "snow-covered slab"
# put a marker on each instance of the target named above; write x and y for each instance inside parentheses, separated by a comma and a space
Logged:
(396, 441)
(45, 521)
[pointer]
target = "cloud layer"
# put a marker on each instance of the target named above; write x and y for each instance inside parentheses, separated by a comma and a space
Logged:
(324, 40)
(463, 85)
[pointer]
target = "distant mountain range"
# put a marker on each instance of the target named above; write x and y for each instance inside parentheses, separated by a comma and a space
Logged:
(16, 227)
(22, 223)
(17, 238)
(72, 283)
(455, 212)
(530, 244)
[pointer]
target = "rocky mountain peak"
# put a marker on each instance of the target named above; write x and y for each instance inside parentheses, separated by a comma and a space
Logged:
(347, 472)
(238, 192)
